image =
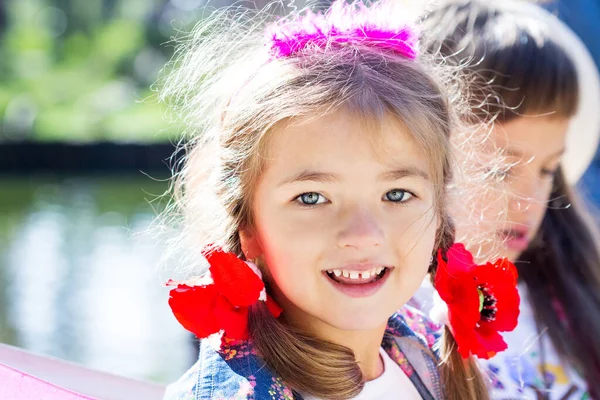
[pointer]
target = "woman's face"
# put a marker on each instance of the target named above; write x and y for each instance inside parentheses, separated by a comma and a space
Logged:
(533, 146)
(344, 220)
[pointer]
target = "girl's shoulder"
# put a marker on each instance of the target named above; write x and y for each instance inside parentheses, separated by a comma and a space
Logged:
(410, 322)
(185, 387)
(232, 371)
(409, 341)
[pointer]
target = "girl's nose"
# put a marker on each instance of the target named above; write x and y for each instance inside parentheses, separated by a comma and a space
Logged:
(360, 229)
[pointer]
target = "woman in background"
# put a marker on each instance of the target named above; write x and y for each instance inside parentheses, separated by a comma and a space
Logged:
(531, 76)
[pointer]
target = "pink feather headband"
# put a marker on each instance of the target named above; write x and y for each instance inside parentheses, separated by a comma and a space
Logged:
(344, 24)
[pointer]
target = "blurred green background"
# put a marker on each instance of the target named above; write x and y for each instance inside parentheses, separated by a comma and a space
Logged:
(80, 277)
(83, 160)
(81, 70)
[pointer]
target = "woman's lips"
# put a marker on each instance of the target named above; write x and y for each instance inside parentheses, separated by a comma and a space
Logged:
(515, 238)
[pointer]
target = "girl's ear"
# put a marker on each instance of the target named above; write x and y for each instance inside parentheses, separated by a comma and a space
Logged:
(249, 242)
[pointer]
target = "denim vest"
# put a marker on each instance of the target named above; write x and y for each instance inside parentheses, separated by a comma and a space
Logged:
(235, 372)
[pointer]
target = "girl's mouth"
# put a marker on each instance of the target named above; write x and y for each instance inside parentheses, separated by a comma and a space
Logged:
(356, 277)
(358, 283)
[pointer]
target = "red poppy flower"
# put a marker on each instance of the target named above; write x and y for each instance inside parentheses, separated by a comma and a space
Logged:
(219, 300)
(482, 301)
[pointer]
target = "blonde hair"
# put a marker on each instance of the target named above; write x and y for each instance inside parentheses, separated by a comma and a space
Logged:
(231, 98)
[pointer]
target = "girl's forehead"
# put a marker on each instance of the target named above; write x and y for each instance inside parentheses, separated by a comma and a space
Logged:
(344, 140)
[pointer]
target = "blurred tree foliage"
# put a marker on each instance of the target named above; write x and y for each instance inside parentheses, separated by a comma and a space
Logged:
(81, 70)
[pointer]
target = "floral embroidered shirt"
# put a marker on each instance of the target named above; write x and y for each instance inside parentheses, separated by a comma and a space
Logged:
(518, 372)
(235, 371)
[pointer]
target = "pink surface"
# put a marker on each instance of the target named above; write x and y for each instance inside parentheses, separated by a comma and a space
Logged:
(27, 372)
(17, 385)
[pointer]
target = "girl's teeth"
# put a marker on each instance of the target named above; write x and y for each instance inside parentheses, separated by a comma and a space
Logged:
(355, 274)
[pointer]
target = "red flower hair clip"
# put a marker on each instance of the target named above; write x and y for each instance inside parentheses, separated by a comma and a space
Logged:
(482, 301)
(219, 300)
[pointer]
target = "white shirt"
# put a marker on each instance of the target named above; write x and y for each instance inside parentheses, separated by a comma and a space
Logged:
(393, 384)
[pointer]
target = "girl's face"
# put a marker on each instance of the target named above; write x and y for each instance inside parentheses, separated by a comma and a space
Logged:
(344, 221)
(534, 147)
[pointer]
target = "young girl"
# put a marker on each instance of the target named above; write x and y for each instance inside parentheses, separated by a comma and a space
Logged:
(319, 162)
(532, 62)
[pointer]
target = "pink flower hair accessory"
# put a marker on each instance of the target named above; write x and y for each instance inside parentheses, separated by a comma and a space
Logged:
(343, 24)
(219, 301)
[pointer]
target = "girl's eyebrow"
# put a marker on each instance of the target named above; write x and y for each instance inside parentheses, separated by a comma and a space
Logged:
(308, 175)
(324, 177)
(404, 172)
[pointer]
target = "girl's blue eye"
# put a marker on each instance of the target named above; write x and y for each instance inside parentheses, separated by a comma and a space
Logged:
(311, 199)
(398, 196)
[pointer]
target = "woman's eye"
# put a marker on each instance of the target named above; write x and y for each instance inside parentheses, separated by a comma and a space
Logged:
(549, 173)
(500, 174)
(311, 198)
(398, 196)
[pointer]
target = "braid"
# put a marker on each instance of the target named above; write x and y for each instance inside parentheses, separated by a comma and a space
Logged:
(446, 235)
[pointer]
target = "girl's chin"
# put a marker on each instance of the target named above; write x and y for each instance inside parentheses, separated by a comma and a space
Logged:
(358, 323)
(353, 319)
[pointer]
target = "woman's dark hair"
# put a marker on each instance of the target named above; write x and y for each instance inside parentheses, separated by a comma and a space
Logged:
(561, 269)
(514, 68)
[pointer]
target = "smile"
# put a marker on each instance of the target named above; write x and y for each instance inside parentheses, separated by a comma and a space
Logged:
(354, 283)
(356, 277)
